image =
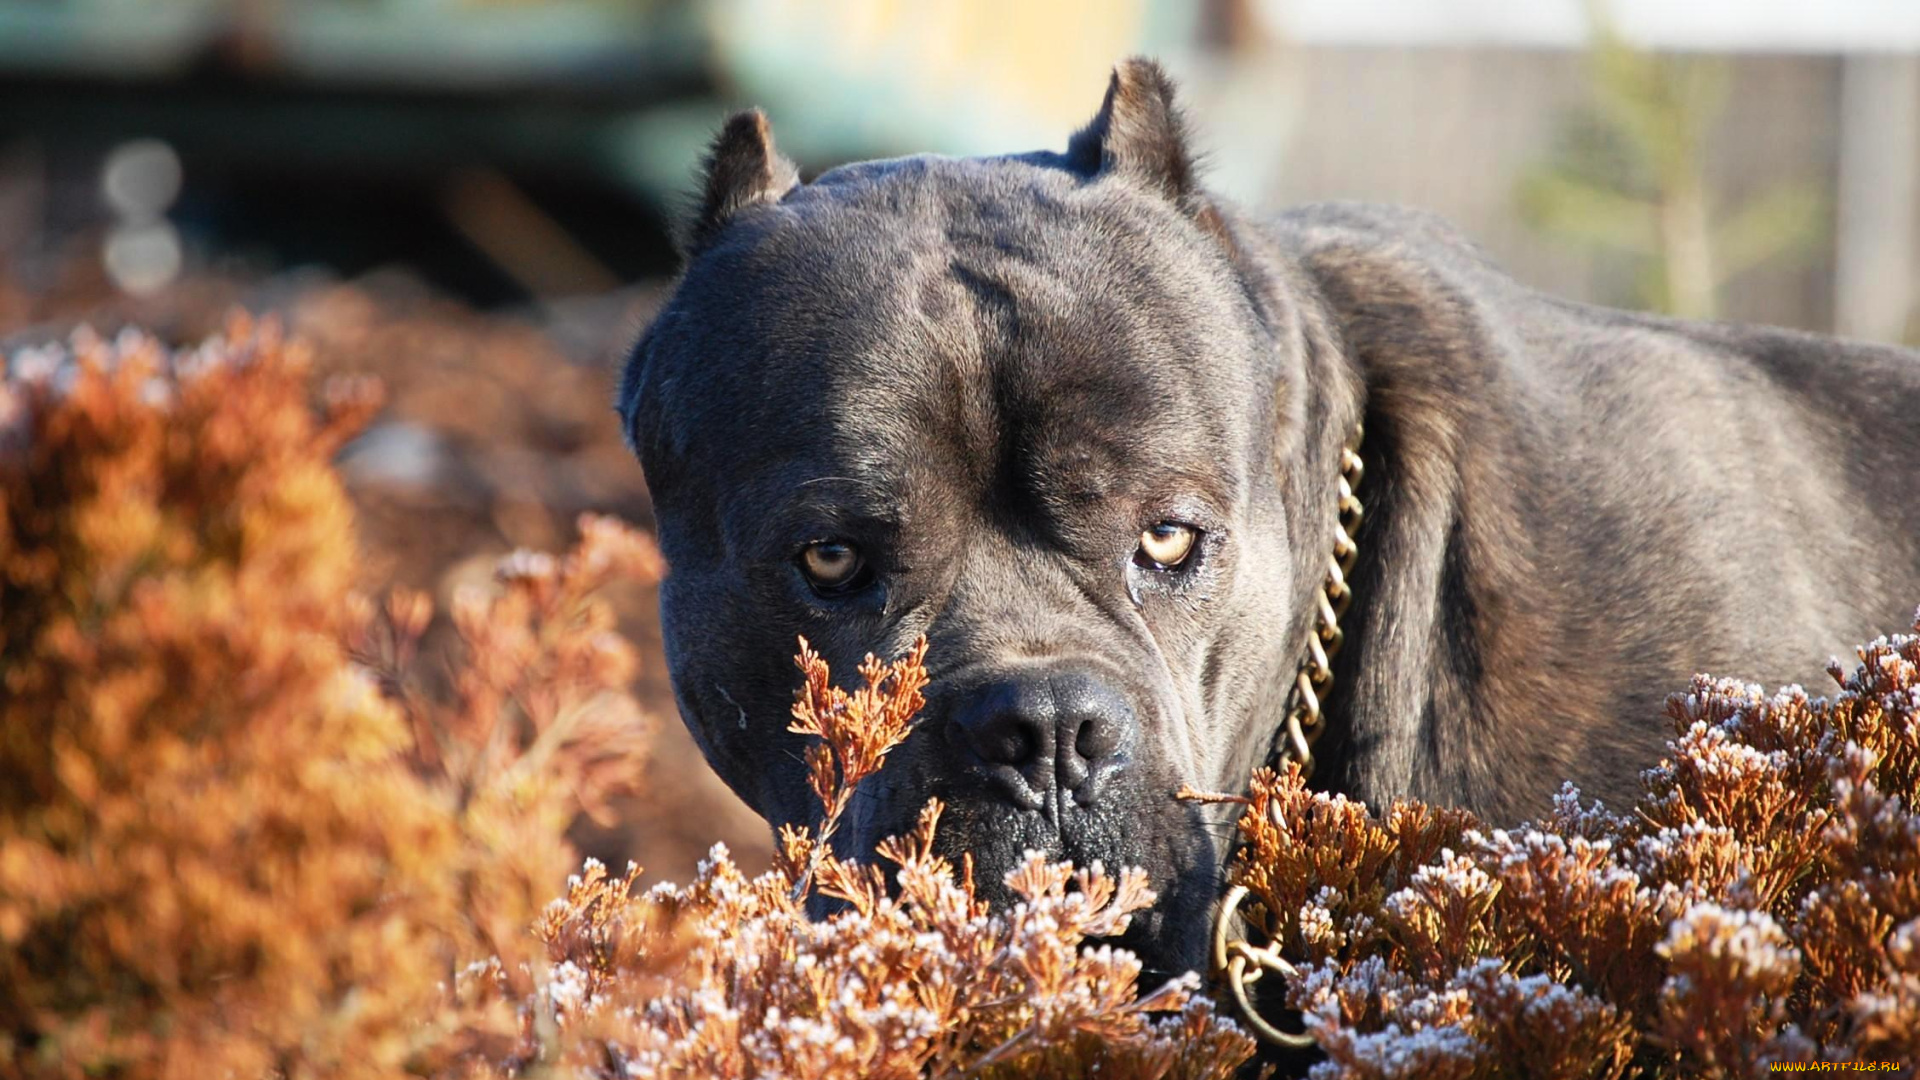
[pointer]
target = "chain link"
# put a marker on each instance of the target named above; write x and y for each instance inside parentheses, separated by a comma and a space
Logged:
(1242, 962)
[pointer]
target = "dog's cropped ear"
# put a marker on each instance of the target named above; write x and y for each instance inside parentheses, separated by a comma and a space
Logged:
(1139, 133)
(627, 400)
(742, 169)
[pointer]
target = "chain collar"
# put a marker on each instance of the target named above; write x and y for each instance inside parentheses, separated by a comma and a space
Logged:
(1331, 599)
(1242, 962)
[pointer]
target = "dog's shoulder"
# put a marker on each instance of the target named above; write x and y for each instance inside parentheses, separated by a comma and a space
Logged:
(1604, 502)
(1410, 274)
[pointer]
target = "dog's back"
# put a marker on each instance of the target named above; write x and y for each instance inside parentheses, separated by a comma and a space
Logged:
(1575, 509)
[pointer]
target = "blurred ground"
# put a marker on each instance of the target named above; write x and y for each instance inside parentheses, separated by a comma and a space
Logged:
(497, 433)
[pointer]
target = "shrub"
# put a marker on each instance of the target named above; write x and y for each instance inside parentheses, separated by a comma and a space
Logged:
(1760, 903)
(224, 850)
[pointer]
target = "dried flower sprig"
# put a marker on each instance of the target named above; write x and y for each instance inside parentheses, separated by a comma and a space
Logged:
(856, 732)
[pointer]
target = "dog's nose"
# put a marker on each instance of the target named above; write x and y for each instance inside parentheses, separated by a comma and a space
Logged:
(1064, 730)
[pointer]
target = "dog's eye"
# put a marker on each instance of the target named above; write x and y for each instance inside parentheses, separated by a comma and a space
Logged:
(1166, 545)
(833, 566)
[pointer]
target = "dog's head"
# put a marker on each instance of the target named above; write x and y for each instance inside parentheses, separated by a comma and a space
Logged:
(1022, 405)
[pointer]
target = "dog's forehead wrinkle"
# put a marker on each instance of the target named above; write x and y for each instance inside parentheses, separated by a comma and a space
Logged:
(868, 492)
(842, 313)
(1006, 181)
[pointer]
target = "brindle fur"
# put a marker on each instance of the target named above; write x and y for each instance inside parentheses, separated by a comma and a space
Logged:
(992, 372)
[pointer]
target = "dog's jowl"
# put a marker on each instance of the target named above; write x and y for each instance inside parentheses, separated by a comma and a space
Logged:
(1082, 424)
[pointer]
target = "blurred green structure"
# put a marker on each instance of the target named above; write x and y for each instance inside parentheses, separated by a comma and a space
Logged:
(1629, 176)
(631, 89)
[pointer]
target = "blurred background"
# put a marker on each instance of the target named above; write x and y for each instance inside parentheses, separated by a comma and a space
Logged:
(472, 198)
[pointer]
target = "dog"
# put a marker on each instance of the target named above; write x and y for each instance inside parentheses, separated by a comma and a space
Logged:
(1084, 426)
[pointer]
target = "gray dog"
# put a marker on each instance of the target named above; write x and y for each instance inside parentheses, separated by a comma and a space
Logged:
(1083, 425)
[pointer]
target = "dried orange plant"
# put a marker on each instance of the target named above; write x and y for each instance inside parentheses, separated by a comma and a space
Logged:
(1760, 903)
(226, 847)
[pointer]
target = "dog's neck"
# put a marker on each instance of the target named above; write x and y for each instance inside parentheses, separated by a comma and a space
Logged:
(1443, 592)
(1316, 405)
